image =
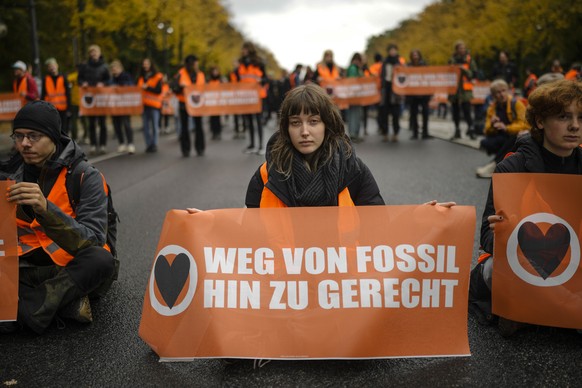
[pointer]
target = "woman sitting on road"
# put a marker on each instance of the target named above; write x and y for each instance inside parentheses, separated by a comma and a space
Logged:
(553, 146)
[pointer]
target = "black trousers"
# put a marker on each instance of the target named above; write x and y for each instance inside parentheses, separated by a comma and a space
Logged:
(185, 140)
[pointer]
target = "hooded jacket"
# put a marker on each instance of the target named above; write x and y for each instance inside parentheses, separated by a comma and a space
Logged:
(528, 157)
(356, 177)
(88, 226)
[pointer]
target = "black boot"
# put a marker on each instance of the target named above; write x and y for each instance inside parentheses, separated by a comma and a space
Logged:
(37, 306)
(457, 134)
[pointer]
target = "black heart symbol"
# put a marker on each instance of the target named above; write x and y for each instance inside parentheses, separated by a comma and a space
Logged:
(329, 90)
(544, 252)
(195, 98)
(88, 99)
(401, 78)
(171, 278)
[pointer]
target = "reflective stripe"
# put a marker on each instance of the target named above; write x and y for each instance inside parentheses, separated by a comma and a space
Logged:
(52, 248)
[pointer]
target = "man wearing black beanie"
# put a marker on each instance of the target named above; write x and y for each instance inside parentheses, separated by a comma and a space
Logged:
(63, 255)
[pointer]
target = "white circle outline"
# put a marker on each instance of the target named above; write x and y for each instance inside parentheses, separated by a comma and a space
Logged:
(85, 103)
(539, 281)
(179, 308)
(191, 103)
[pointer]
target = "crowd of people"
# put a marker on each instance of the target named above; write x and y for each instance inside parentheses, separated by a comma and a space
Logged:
(310, 160)
(165, 90)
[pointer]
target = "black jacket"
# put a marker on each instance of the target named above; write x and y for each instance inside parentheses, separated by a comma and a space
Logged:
(94, 72)
(528, 157)
(357, 178)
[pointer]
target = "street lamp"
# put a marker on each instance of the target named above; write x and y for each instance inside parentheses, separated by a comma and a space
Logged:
(166, 29)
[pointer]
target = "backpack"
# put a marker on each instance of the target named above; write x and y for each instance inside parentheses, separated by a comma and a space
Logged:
(73, 181)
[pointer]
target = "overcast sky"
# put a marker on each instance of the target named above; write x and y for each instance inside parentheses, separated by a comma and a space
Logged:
(299, 31)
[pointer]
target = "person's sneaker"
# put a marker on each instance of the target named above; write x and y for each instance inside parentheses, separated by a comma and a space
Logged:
(507, 327)
(9, 327)
(394, 138)
(489, 167)
(260, 151)
(385, 139)
(250, 150)
(130, 149)
(121, 148)
(78, 310)
(93, 150)
(102, 150)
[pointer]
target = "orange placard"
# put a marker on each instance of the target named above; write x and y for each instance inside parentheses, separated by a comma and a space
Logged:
(111, 101)
(168, 104)
(8, 257)
(481, 90)
(10, 103)
(223, 99)
(353, 91)
(329, 282)
(537, 277)
(425, 80)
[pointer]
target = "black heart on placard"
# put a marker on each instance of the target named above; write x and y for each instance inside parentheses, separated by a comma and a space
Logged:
(88, 100)
(544, 252)
(329, 90)
(171, 278)
(401, 78)
(195, 98)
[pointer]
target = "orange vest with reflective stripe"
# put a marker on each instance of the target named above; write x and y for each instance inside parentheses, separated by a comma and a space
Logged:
(150, 98)
(326, 74)
(184, 79)
(269, 199)
(252, 74)
(376, 68)
(56, 94)
(23, 87)
(31, 235)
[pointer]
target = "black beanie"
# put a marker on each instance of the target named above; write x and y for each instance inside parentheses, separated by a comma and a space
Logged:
(39, 116)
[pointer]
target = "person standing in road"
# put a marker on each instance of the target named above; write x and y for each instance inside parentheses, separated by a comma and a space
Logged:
(390, 103)
(461, 100)
(416, 102)
(252, 70)
(215, 124)
(95, 73)
(354, 113)
(24, 84)
(554, 113)
(151, 81)
(55, 89)
(122, 124)
(190, 74)
(62, 251)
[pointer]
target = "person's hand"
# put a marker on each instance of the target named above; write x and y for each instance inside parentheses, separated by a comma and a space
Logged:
(494, 219)
(500, 126)
(193, 210)
(443, 204)
(100, 84)
(27, 193)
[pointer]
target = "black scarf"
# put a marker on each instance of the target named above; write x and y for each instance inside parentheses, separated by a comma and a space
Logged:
(319, 188)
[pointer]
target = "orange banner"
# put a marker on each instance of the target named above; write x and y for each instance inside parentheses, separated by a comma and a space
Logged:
(537, 277)
(425, 80)
(10, 103)
(481, 90)
(223, 99)
(111, 101)
(8, 258)
(353, 91)
(168, 103)
(311, 283)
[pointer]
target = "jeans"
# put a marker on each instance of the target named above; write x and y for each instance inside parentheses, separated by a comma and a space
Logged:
(151, 116)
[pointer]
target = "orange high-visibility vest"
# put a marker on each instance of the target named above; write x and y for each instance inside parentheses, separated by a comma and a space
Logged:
(31, 235)
(252, 74)
(326, 74)
(269, 199)
(467, 84)
(151, 99)
(56, 94)
(184, 79)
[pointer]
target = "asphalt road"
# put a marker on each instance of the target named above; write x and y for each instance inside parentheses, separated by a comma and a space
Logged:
(109, 352)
